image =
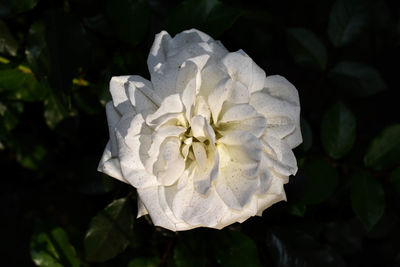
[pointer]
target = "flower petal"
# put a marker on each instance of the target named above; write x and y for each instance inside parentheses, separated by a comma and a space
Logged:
(194, 208)
(170, 163)
(285, 162)
(110, 165)
(112, 119)
(281, 88)
(234, 189)
(119, 94)
(151, 201)
(242, 68)
(141, 94)
(167, 110)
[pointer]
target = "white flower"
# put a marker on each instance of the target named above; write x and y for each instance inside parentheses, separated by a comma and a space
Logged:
(208, 141)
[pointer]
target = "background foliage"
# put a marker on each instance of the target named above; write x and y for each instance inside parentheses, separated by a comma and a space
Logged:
(56, 59)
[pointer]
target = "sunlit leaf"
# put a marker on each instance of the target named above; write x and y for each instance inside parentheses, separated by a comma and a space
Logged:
(50, 247)
(110, 231)
(338, 130)
(19, 85)
(346, 21)
(306, 48)
(356, 79)
(384, 150)
(367, 198)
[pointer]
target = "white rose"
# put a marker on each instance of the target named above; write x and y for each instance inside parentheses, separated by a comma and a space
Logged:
(208, 141)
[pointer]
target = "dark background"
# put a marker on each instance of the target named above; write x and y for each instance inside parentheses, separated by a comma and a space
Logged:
(56, 59)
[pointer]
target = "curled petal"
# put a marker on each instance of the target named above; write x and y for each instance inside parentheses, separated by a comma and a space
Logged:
(242, 68)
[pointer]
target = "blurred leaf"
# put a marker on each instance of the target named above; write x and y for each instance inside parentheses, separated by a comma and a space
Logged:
(11, 7)
(56, 47)
(50, 247)
(109, 232)
(306, 133)
(338, 130)
(21, 85)
(395, 179)
(8, 45)
(356, 79)
(55, 111)
(346, 21)
(236, 249)
(9, 116)
(367, 198)
(289, 247)
(384, 150)
(189, 251)
(129, 18)
(144, 262)
(31, 156)
(306, 48)
(297, 209)
(211, 16)
(322, 180)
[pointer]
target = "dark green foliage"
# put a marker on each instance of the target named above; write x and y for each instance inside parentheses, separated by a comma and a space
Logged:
(109, 231)
(367, 198)
(384, 151)
(338, 130)
(56, 60)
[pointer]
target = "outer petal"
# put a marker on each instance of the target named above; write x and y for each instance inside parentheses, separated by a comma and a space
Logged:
(113, 118)
(110, 165)
(151, 201)
(242, 68)
(281, 88)
(131, 141)
(167, 56)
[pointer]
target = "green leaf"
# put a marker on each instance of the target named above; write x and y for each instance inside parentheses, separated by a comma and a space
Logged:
(210, 16)
(346, 21)
(306, 133)
(395, 179)
(12, 7)
(384, 151)
(338, 130)
(9, 116)
(109, 232)
(20, 84)
(306, 48)
(322, 179)
(356, 79)
(144, 262)
(235, 249)
(30, 150)
(8, 45)
(55, 111)
(189, 253)
(51, 248)
(129, 18)
(367, 198)
(294, 248)
(56, 47)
